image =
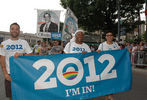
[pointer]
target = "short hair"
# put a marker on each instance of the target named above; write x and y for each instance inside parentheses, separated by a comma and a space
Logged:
(46, 14)
(14, 24)
(59, 41)
(108, 31)
(39, 41)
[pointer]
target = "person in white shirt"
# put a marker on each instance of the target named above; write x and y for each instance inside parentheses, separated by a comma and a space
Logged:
(105, 46)
(12, 47)
(108, 44)
(77, 46)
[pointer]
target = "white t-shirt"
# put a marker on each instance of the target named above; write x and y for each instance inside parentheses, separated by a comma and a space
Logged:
(104, 46)
(73, 47)
(10, 47)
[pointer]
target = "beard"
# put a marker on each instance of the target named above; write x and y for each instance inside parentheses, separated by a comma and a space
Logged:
(14, 35)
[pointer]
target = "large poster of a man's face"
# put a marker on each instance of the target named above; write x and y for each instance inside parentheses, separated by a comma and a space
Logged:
(48, 22)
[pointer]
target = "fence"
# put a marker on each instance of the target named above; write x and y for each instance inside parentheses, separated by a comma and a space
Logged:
(139, 58)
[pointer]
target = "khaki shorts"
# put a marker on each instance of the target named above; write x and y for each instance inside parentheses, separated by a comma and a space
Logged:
(8, 88)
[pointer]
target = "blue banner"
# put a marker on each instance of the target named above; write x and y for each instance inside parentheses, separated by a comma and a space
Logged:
(56, 36)
(70, 76)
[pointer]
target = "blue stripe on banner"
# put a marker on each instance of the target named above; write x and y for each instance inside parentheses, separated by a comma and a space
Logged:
(95, 74)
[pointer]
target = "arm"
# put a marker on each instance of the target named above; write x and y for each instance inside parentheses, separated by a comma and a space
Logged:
(84, 52)
(56, 53)
(67, 48)
(98, 51)
(87, 49)
(27, 51)
(99, 48)
(3, 65)
(21, 54)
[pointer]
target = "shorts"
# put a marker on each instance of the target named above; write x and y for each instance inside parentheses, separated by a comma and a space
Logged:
(8, 88)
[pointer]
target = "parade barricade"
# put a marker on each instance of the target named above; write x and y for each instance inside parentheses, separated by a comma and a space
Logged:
(140, 58)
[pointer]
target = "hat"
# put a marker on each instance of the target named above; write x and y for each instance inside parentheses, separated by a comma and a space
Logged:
(74, 34)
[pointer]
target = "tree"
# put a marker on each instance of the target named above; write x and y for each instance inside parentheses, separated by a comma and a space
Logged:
(102, 14)
(130, 13)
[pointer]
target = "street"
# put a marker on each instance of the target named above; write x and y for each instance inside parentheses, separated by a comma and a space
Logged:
(139, 87)
(2, 89)
(138, 91)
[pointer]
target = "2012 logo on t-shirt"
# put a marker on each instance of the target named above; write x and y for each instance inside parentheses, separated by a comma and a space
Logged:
(13, 47)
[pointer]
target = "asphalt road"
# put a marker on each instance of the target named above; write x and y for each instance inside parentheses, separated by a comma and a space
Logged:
(2, 89)
(139, 87)
(138, 91)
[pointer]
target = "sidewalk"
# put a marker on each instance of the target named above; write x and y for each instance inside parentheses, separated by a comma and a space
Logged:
(137, 69)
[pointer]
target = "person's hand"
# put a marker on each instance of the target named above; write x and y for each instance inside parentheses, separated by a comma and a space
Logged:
(98, 51)
(7, 77)
(84, 52)
(18, 54)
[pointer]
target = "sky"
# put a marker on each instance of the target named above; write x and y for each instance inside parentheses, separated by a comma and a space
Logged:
(24, 12)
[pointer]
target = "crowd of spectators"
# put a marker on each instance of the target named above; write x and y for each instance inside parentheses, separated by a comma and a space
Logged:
(57, 47)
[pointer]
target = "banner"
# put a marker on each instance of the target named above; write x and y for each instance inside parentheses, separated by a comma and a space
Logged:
(56, 36)
(70, 76)
(48, 21)
(70, 25)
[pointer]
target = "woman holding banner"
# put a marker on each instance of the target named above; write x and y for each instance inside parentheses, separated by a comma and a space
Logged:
(77, 45)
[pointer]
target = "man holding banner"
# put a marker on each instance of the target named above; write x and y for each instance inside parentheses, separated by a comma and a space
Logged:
(108, 45)
(12, 47)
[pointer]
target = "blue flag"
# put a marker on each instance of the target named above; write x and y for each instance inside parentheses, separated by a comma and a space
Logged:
(70, 76)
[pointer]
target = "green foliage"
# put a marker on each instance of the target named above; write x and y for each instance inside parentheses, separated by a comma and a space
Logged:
(144, 37)
(102, 14)
(137, 39)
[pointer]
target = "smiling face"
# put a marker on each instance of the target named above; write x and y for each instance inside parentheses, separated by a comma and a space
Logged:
(14, 31)
(79, 37)
(109, 37)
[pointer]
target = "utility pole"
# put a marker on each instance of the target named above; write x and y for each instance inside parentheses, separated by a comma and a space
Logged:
(118, 21)
(139, 25)
(146, 20)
